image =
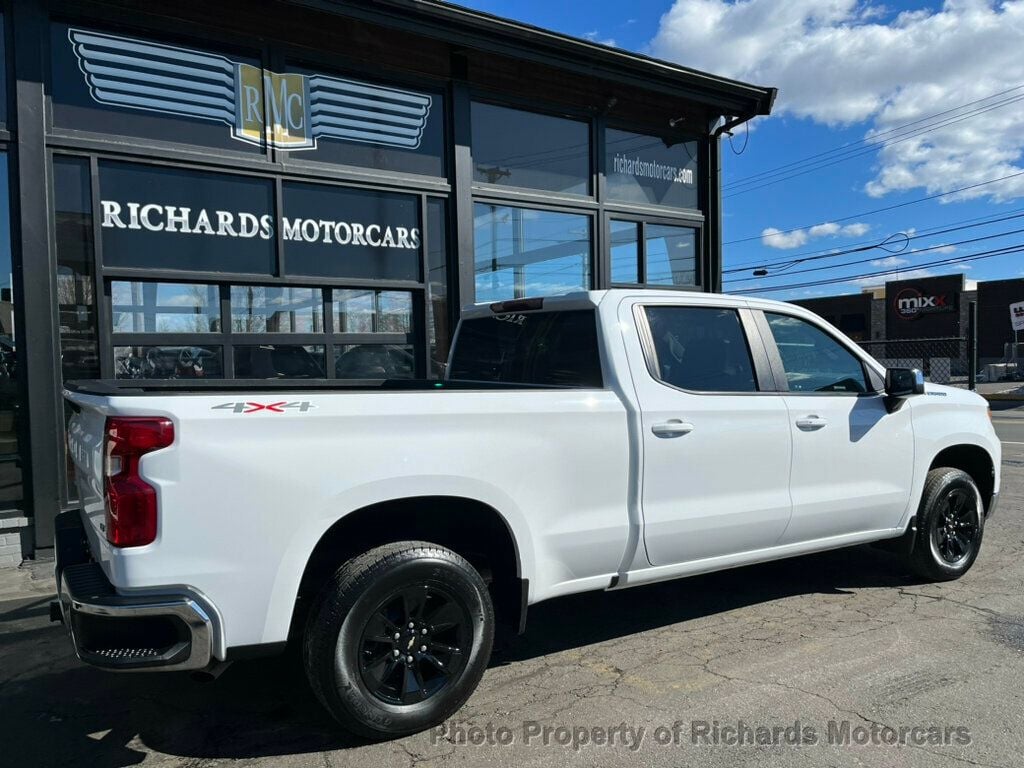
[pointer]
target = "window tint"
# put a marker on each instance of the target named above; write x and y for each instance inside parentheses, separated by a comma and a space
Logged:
(650, 169)
(279, 361)
(138, 307)
(552, 348)
(625, 251)
(514, 148)
(814, 361)
(702, 349)
(519, 252)
(671, 255)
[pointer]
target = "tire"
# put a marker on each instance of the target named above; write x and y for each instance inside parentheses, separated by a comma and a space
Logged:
(950, 525)
(349, 646)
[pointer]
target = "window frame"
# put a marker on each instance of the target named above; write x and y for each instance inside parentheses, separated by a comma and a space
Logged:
(642, 222)
(764, 374)
(872, 381)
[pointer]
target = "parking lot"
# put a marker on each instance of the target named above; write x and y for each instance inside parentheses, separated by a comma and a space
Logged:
(807, 662)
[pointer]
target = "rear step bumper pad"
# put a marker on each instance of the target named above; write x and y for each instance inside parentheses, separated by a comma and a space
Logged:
(122, 632)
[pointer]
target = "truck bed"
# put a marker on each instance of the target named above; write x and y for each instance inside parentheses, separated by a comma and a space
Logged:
(130, 387)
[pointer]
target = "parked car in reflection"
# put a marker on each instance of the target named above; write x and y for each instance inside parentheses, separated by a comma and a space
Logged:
(177, 362)
(375, 361)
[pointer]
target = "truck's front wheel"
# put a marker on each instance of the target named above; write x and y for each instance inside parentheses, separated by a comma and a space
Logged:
(399, 638)
(950, 524)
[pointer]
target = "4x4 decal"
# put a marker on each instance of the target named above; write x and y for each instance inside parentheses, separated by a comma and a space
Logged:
(249, 407)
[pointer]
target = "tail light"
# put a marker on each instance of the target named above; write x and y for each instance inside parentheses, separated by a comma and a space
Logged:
(131, 513)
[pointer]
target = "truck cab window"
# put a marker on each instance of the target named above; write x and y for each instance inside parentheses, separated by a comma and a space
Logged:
(702, 349)
(547, 348)
(814, 361)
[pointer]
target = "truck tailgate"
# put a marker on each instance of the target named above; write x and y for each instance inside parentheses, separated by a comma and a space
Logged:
(85, 446)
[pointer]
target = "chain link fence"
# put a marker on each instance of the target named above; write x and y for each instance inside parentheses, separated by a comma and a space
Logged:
(943, 360)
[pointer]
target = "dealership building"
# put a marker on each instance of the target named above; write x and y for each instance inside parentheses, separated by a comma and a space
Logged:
(313, 189)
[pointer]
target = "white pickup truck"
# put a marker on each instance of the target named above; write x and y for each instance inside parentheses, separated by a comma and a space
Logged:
(593, 441)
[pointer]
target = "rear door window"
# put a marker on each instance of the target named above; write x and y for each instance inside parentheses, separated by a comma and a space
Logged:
(547, 348)
(700, 349)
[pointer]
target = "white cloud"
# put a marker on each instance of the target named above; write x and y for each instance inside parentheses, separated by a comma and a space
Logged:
(776, 238)
(595, 37)
(842, 62)
(890, 261)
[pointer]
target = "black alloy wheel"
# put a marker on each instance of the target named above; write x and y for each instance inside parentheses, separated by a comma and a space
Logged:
(398, 639)
(955, 526)
(414, 644)
(950, 525)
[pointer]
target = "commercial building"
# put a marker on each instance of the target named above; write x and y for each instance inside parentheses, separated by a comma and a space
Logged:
(931, 314)
(313, 189)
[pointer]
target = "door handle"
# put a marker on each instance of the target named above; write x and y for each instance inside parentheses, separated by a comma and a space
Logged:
(672, 428)
(811, 423)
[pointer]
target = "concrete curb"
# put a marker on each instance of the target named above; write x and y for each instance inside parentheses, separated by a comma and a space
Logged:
(1003, 397)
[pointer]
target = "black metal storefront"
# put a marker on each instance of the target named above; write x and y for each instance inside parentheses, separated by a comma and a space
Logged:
(315, 188)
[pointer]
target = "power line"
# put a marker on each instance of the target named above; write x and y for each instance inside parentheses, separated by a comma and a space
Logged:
(784, 266)
(881, 210)
(868, 139)
(875, 258)
(871, 149)
(1016, 248)
(744, 266)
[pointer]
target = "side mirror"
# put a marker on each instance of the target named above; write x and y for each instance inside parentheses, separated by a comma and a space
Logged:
(904, 382)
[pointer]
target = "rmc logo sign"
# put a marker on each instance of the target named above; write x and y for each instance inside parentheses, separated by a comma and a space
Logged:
(910, 304)
(290, 111)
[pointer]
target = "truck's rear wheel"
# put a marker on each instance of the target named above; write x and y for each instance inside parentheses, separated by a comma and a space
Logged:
(950, 524)
(398, 639)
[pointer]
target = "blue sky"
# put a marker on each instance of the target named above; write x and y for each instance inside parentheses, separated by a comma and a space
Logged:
(937, 89)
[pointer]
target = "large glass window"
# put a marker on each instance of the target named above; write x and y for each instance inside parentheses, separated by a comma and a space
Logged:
(168, 361)
(701, 349)
(355, 233)
(76, 269)
(130, 86)
(650, 170)
(3, 71)
(276, 309)
(545, 348)
(625, 251)
(375, 361)
(11, 409)
(370, 311)
(280, 361)
(169, 218)
(813, 360)
(514, 148)
(143, 307)
(526, 252)
(439, 331)
(670, 255)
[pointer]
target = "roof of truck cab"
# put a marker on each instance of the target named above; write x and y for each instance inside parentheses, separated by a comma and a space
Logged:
(591, 299)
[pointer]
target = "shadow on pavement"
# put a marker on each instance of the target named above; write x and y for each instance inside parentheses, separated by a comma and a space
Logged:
(59, 712)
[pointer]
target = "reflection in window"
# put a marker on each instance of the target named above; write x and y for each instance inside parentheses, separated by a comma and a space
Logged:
(648, 169)
(10, 411)
(369, 311)
(625, 250)
(439, 332)
(702, 349)
(375, 361)
(523, 252)
(524, 149)
(279, 361)
(165, 307)
(168, 362)
(269, 309)
(813, 360)
(671, 255)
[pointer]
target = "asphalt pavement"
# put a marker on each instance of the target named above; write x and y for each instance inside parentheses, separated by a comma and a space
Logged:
(837, 659)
